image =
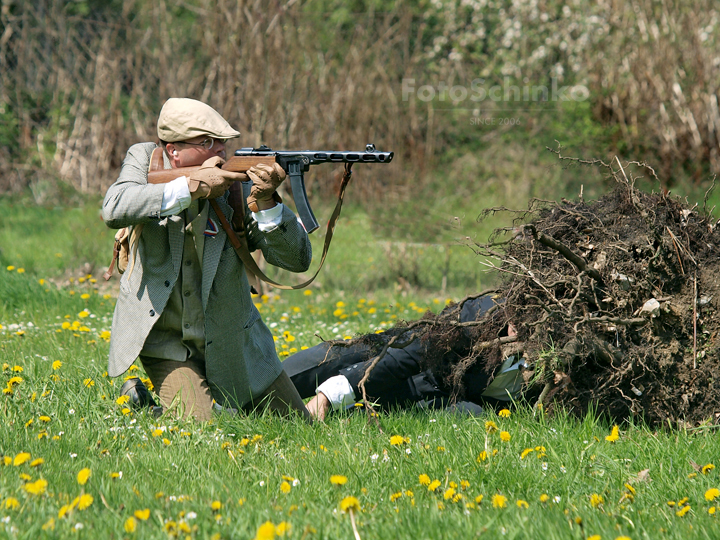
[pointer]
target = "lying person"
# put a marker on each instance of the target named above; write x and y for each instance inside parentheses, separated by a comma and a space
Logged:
(331, 373)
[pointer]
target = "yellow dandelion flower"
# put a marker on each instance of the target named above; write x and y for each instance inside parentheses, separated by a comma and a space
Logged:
(215, 506)
(712, 494)
(526, 452)
(85, 296)
(350, 503)
(522, 504)
(544, 498)
(490, 426)
(614, 434)
(499, 501)
(464, 484)
(142, 515)
(13, 381)
(57, 364)
(10, 268)
(283, 528)
(37, 462)
(20, 270)
(166, 441)
(396, 440)
(478, 499)
(449, 493)
(285, 487)
(21, 458)
(505, 436)
(707, 468)
(266, 531)
(482, 456)
(338, 479)
(36, 488)
(505, 413)
(712, 510)
(630, 488)
(395, 496)
(11, 503)
(130, 525)
(85, 501)
(424, 480)
(83, 476)
(89, 383)
(49, 525)
(594, 537)
(596, 500)
(684, 510)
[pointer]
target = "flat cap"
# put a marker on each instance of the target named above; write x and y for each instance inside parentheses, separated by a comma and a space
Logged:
(184, 118)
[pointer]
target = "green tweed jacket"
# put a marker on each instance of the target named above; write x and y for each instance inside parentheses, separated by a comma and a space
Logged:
(240, 356)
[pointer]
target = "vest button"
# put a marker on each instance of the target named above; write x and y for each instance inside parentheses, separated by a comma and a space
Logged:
(167, 283)
(152, 312)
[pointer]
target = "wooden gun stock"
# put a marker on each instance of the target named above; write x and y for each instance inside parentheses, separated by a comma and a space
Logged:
(234, 164)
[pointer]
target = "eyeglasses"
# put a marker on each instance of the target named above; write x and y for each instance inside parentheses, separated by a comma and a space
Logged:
(207, 144)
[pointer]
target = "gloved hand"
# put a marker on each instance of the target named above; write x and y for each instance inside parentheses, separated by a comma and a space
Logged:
(266, 180)
(211, 181)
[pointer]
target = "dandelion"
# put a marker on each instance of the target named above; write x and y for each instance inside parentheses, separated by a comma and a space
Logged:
(85, 501)
(505, 413)
(424, 480)
(712, 494)
(11, 503)
(350, 503)
(544, 498)
(142, 515)
(614, 434)
(482, 456)
(464, 484)
(434, 485)
(83, 476)
(285, 488)
(707, 468)
(479, 499)
(130, 525)
(505, 436)
(596, 500)
(712, 510)
(49, 525)
(396, 440)
(522, 504)
(36, 488)
(283, 528)
(395, 496)
(684, 510)
(338, 479)
(215, 506)
(266, 531)
(526, 452)
(37, 462)
(89, 383)
(21, 458)
(449, 493)
(499, 501)
(490, 426)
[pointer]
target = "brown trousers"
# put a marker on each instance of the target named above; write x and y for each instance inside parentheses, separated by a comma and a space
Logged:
(182, 387)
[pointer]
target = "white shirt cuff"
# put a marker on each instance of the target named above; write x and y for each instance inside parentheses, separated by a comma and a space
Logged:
(338, 391)
(176, 197)
(268, 219)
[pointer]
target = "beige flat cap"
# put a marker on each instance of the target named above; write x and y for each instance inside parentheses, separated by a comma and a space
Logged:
(184, 118)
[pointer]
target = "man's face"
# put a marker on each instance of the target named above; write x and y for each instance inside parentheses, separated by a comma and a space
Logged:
(195, 151)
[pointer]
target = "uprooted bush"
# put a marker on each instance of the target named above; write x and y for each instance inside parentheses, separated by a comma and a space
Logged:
(615, 303)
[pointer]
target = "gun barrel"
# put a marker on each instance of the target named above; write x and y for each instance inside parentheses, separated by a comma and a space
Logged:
(315, 156)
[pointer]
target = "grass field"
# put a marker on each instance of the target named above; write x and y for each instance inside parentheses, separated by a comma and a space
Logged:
(76, 463)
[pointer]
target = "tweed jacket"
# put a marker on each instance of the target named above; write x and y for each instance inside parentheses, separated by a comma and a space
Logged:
(240, 357)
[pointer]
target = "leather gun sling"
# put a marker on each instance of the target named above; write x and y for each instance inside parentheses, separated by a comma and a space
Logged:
(239, 242)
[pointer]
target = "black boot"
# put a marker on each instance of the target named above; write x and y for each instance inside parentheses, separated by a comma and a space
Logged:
(139, 395)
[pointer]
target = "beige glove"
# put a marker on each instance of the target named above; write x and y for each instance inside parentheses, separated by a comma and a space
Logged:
(266, 180)
(211, 181)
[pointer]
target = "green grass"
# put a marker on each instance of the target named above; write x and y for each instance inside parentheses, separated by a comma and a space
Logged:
(56, 315)
(177, 469)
